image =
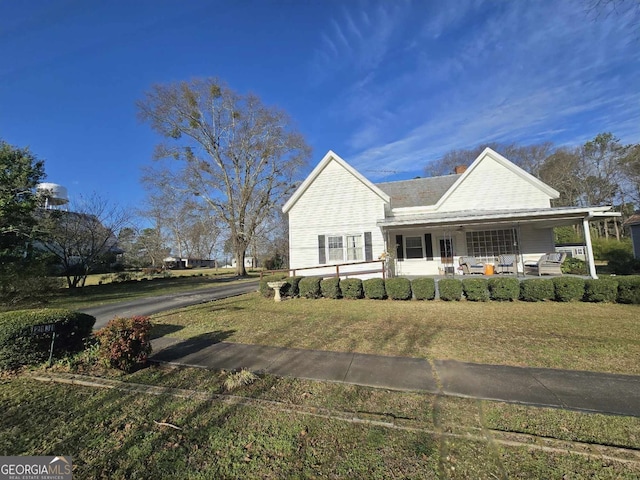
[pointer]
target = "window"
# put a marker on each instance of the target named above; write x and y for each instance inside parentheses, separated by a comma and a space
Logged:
(336, 252)
(354, 247)
(491, 243)
(413, 247)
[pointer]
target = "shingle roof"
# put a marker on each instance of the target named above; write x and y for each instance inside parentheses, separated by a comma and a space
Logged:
(418, 192)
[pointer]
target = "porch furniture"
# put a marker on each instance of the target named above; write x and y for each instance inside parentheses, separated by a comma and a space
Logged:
(471, 265)
(506, 264)
(549, 264)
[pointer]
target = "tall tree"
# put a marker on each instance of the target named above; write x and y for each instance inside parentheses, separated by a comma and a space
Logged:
(22, 269)
(237, 155)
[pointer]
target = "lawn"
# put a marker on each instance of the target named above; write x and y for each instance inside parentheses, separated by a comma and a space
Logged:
(290, 428)
(581, 336)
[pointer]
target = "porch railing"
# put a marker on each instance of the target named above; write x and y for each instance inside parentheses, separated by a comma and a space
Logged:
(341, 270)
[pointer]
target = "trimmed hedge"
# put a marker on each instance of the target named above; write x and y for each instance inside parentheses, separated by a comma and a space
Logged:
(629, 289)
(264, 289)
(475, 289)
(309, 287)
(290, 289)
(568, 289)
(18, 347)
(504, 289)
(330, 287)
(450, 289)
(398, 288)
(374, 289)
(537, 290)
(352, 288)
(600, 290)
(424, 288)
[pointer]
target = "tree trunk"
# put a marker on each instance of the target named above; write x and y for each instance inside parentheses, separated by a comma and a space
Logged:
(239, 255)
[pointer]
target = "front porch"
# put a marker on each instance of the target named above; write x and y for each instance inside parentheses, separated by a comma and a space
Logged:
(429, 244)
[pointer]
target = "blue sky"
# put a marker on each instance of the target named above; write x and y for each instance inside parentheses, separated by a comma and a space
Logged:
(388, 85)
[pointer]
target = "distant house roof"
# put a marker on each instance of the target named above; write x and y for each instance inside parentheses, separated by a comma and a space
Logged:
(633, 220)
(417, 192)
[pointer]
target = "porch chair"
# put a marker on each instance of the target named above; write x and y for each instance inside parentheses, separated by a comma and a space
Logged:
(549, 264)
(506, 264)
(471, 265)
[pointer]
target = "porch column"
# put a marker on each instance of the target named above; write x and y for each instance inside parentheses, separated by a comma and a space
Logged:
(587, 243)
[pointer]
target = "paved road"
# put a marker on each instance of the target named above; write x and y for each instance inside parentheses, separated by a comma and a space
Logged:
(151, 305)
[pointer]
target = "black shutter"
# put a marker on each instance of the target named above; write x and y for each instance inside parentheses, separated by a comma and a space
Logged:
(368, 248)
(322, 255)
(399, 248)
(428, 246)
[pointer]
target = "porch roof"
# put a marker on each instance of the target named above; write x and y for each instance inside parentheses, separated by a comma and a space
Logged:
(546, 217)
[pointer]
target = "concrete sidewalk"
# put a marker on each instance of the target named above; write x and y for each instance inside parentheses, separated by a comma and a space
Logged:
(589, 391)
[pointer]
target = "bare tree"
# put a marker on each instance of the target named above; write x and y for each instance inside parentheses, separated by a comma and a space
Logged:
(528, 157)
(237, 155)
(83, 238)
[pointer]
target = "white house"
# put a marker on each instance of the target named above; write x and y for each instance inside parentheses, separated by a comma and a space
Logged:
(423, 225)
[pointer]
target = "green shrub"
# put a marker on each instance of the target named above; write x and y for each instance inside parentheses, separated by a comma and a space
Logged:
(629, 289)
(330, 287)
(374, 289)
(601, 290)
(398, 288)
(125, 343)
(537, 290)
(19, 347)
(351, 288)
(504, 289)
(450, 289)
(291, 288)
(475, 289)
(309, 287)
(264, 288)
(424, 288)
(568, 289)
(574, 266)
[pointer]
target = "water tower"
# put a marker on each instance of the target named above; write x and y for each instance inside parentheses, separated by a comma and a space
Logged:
(54, 196)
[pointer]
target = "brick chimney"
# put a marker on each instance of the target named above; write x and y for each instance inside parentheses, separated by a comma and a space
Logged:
(460, 169)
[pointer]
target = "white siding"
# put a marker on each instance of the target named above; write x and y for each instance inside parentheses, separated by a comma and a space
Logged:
(536, 242)
(336, 203)
(492, 186)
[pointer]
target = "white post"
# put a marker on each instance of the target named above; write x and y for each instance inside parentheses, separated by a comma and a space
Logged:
(587, 243)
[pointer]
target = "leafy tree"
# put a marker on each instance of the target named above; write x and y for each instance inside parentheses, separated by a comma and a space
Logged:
(22, 268)
(237, 156)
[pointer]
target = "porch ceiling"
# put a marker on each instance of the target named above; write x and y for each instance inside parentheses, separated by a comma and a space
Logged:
(540, 218)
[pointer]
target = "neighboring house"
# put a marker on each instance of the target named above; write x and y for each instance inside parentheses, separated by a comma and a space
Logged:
(423, 225)
(634, 227)
(573, 250)
(180, 263)
(248, 262)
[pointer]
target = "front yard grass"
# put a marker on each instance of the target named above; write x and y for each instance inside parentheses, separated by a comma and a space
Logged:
(580, 336)
(306, 429)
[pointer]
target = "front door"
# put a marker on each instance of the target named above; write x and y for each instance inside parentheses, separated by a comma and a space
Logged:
(446, 254)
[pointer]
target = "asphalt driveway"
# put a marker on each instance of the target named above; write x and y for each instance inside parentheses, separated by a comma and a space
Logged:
(152, 305)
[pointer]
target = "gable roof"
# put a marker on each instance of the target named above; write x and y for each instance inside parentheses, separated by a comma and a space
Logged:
(328, 158)
(418, 192)
(487, 152)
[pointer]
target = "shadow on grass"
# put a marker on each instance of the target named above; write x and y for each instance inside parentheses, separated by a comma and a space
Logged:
(160, 330)
(192, 345)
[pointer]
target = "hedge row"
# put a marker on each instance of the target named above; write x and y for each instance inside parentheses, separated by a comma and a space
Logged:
(562, 289)
(19, 346)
